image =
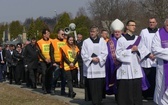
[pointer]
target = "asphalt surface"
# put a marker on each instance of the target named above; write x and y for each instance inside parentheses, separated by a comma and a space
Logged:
(79, 99)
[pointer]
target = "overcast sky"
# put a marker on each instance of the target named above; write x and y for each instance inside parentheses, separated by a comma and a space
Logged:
(21, 9)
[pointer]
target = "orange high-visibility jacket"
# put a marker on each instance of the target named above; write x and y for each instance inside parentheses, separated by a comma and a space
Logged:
(44, 47)
(68, 52)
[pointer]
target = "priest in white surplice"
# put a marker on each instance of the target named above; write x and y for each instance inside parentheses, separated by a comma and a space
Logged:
(130, 51)
(160, 50)
(94, 53)
(149, 66)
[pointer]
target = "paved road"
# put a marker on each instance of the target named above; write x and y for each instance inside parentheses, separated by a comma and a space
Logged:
(79, 99)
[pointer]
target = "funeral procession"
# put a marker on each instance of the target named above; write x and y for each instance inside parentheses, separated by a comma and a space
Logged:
(84, 52)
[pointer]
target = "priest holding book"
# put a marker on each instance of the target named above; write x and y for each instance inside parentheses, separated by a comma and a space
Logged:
(94, 53)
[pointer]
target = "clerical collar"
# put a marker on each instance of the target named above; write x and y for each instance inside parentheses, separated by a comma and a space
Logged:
(60, 39)
(152, 30)
(129, 37)
(96, 40)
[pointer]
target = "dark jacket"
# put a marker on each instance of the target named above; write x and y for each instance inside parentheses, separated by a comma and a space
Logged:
(79, 44)
(9, 58)
(3, 55)
(31, 56)
(18, 57)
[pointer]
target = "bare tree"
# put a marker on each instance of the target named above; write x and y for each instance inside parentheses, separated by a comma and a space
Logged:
(81, 11)
(105, 11)
(157, 8)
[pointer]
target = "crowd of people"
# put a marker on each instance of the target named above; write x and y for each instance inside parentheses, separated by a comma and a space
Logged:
(131, 67)
(45, 62)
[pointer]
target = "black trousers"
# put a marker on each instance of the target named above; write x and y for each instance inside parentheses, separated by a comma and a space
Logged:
(63, 80)
(11, 74)
(27, 79)
(81, 73)
(151, 76)
(32, 75)
(129, 92)
(69, 78)
(19, 72)
(46, 76)
(95, 90)
(2, 71)
(56, 74)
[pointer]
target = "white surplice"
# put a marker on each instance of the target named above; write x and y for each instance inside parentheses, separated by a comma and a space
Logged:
(130, 68)
(147, 40)
(91, 69)
(160, 95)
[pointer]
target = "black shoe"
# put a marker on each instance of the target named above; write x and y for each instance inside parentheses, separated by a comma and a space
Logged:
(10, 81)
(34, 86)
(49, 91)
(27, 85)
(4, 80)
(64, 94)
(18, 83)
(72, 95)
(44, 92)
(81, 86)
(52, 92)
(75, 85)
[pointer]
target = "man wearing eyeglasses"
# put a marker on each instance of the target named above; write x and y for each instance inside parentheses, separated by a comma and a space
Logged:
(149, 66)
(130, 51)
(56, 60)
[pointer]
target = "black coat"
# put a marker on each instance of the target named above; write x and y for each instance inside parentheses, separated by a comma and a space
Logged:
(18, 57)
(31, 56)
(4, 56)
(79, 44)
(9, 58)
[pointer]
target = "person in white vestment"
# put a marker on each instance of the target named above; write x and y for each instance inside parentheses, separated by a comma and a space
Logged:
(130, 51)
(160, 50)
(148, 65)
(94, 53)
(112, 64)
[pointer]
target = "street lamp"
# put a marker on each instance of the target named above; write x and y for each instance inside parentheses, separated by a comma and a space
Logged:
(55, 16)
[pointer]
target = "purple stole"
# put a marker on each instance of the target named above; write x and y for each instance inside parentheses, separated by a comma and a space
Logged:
(145, 84)
(136, 43)
(164, 42)
(111, 65)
